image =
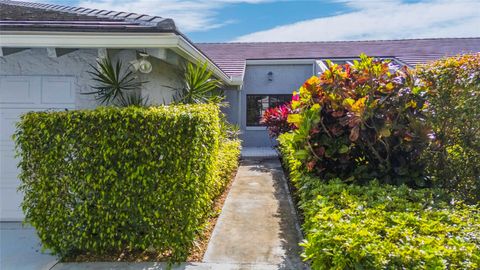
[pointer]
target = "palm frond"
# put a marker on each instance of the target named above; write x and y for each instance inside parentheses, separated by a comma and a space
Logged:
(114, 85)
(199, 86)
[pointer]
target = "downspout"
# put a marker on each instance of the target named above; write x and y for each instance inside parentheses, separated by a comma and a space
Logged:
(239, 93)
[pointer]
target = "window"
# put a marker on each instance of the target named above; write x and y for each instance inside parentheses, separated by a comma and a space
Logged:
(258, 104)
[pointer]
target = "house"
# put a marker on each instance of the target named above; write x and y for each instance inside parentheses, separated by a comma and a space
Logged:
(270, 72)
(46, 51)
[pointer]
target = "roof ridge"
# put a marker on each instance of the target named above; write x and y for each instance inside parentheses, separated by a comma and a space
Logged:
(333, 41)
(141, 19)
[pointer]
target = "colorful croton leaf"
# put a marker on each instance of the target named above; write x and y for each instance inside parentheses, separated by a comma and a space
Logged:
(276, 119)
(361, 121)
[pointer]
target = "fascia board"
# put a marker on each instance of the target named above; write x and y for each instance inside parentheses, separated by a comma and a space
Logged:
(86, 40)
(11, 39)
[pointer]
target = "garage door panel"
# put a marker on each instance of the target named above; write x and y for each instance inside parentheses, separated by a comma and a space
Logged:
(19, 90)
(58, 90)
(11, 183)
(9, 119)
(31, 93)
(7, 126)
(8, 165)
(10, 196)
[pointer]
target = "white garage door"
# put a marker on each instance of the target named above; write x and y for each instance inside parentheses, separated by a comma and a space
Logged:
(18, 95)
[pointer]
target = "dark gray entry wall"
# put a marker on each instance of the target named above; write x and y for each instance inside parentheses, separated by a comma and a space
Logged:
(284, 79)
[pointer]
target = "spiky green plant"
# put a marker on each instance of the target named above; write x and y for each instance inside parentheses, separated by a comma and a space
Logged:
(199, 86)
(134, 98)
(114, 84)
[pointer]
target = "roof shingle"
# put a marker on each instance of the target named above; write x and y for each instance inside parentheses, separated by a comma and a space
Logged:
(231, 57)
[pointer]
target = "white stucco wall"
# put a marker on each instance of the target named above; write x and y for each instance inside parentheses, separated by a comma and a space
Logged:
(35, 62)
(159, 82)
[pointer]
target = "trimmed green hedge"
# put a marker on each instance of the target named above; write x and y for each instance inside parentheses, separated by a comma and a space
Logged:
(382, 226)
(227, 163)
(115, 179)
(452, 88)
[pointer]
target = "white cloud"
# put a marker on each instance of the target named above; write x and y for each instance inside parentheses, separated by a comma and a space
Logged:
(383, 20)
(189, 15)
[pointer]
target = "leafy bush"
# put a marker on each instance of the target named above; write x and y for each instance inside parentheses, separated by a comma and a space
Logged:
(276, 120)
(228, 131)
(361, 122)
(453, 90)
(381, 226)
(114, 179)
(227, 163)
(229, 152)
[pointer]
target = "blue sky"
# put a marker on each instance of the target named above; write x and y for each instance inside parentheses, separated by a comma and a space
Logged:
(245, 18)
(271, 20)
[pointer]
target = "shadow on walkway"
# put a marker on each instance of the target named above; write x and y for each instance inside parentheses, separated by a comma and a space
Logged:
(258, 224)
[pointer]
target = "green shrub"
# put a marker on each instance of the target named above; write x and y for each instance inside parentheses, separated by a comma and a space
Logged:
(382, 226)
(227, 163)
(229, 153)
(114, 179)
(360, 122)
(453, 88)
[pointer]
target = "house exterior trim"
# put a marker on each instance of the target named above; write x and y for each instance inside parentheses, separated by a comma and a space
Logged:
(280, 61)
(37, 39)
(14, 39)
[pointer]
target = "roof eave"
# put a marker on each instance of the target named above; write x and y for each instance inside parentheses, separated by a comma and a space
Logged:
(111, 40)
(194, 53)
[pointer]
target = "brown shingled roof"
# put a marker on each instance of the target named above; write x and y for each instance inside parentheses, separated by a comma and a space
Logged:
(231, 57)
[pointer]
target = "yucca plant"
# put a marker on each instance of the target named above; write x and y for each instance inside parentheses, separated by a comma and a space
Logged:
(199, 86)
(115, 85)
(133, 98)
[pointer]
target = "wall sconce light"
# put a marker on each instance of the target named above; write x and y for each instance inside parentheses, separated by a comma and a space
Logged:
(270, 76)
(145, 65)
(142, 65)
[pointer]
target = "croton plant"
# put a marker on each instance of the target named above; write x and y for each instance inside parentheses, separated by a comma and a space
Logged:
(275, 119)
(360, 122)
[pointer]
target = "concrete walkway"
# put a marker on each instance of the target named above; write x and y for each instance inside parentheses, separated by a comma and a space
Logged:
(20, 249)
(162, 266)
(259, 152)
(258, 224)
